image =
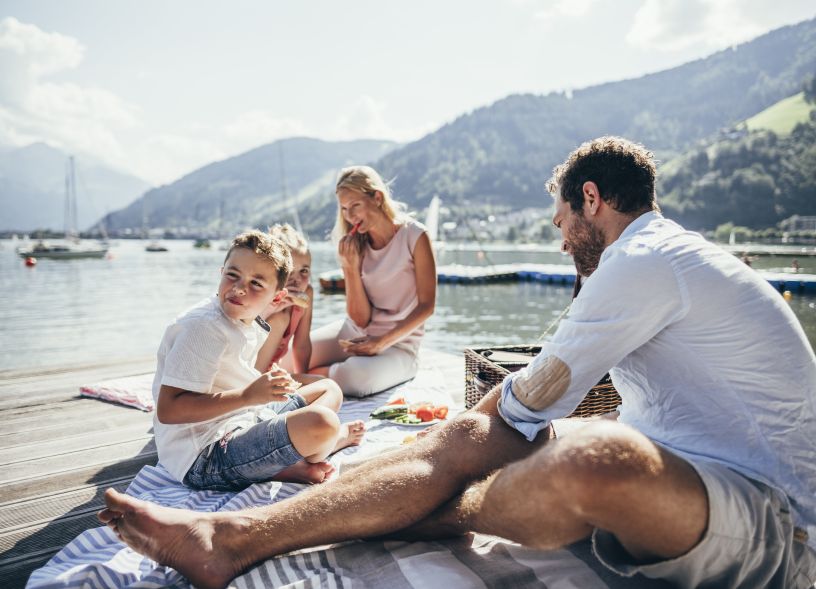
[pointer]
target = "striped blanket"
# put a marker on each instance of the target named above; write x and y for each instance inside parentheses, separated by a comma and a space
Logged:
(96, 559)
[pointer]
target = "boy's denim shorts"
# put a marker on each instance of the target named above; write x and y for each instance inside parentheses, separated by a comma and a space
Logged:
(246, 456)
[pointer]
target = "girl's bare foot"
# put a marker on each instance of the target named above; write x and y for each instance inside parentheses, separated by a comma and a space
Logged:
(195, 544)
(305, 472)
(351, 434)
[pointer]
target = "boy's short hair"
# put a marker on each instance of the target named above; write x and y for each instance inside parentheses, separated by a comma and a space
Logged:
(623, 171)
(291, 237)
(269, 248)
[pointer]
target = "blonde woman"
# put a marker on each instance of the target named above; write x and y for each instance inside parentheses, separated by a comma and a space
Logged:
(390, 277)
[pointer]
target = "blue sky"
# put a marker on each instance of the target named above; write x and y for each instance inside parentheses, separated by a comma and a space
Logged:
(160, 87)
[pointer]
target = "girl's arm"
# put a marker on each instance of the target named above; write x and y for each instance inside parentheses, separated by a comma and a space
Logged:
(302, 340)
(425, 274)
(277, 326)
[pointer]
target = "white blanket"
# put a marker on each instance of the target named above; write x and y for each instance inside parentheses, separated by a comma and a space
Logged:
(97, 560)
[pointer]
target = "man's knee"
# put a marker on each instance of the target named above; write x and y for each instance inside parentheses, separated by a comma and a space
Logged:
(597, 462)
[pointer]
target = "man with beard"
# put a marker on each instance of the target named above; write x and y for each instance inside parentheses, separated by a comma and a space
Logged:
(707, 478)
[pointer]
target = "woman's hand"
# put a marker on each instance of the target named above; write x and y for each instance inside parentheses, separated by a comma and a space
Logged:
(349, 252)
(363, 346)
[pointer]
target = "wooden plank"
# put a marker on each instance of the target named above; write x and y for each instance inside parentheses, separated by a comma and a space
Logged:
(65, 410)
(51, 465)
(15, 575)
(66, 447)
(68, 480)
(38, 430)
(16, 515)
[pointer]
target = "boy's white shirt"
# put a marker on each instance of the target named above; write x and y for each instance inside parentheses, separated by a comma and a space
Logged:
(204, 351)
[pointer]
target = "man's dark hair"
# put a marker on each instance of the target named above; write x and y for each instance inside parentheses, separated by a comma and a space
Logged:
(624, 173)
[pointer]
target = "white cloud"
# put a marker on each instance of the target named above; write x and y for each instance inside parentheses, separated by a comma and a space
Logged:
(73, 117)
(674, 25)
(556, 9)
(165, 157)
(258, 127)
(366, 119)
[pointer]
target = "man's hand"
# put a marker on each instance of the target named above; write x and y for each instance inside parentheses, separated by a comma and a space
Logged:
(270, 386)
(362, 346)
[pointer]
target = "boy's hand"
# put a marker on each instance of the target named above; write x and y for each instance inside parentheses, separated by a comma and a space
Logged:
(270, 386)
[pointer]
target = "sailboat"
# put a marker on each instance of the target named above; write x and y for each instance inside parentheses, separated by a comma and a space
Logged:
(153, 245)
(71, 248)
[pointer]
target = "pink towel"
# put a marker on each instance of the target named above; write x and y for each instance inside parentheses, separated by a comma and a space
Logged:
(133, 391)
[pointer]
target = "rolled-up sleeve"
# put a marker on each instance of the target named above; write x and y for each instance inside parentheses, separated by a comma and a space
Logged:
(630, 298)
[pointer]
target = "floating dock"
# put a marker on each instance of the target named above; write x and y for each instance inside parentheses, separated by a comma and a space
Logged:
(563, 274)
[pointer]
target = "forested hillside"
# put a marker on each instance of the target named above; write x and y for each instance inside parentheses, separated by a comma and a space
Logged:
(753, 179)
(503, 154)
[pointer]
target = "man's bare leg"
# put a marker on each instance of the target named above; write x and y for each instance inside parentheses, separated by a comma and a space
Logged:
(606, 476)
(385, 494)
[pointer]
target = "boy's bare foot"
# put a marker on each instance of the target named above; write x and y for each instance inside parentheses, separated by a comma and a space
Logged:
(351, 434)
(195, 544)
(305, 472)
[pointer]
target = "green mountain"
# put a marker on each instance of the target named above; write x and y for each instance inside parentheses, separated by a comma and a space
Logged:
(254, 189)
(783, 116)
(502, 155)
(749, 178)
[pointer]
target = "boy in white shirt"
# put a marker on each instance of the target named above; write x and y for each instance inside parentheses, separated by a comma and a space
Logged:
(222, 425)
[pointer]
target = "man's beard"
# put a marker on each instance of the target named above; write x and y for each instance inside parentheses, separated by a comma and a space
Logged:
(586, 245)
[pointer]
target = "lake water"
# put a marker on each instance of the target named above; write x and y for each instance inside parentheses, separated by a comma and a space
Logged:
(86, 311)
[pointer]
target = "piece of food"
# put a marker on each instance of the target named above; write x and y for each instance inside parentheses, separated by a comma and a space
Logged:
(425, 414)
(397, 401)
(389, 411)
(440, 412)
(409, 439)
(354, 229)
(301, 299)
(407, 419)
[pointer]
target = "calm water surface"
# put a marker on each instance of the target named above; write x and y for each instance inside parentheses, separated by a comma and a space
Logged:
(86, 311)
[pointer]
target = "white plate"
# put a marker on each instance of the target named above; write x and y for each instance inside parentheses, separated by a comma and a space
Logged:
(421, 424)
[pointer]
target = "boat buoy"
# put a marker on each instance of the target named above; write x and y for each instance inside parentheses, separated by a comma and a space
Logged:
(787, 295)
(30, 262)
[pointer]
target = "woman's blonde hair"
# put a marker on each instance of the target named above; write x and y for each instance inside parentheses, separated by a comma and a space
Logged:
(291, 237)
(366, 180)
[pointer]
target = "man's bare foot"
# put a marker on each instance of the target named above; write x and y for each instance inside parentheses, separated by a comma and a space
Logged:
(195, 544)
(305, 472)
(351, 434)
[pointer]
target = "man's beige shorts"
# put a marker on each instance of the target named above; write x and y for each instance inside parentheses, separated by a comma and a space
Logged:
(750, 541)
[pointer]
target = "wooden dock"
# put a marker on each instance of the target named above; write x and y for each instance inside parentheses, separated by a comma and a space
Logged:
(61, 451)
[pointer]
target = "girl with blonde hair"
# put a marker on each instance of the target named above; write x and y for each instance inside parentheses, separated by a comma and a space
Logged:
(390, 275)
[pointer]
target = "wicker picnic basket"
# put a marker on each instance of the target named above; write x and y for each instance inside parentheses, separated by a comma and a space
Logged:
(482, 374)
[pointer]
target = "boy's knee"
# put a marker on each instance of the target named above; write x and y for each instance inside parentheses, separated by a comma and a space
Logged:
(322, 421)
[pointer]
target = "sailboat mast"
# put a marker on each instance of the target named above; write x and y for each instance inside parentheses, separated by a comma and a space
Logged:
(66, 213)
(74, 218)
